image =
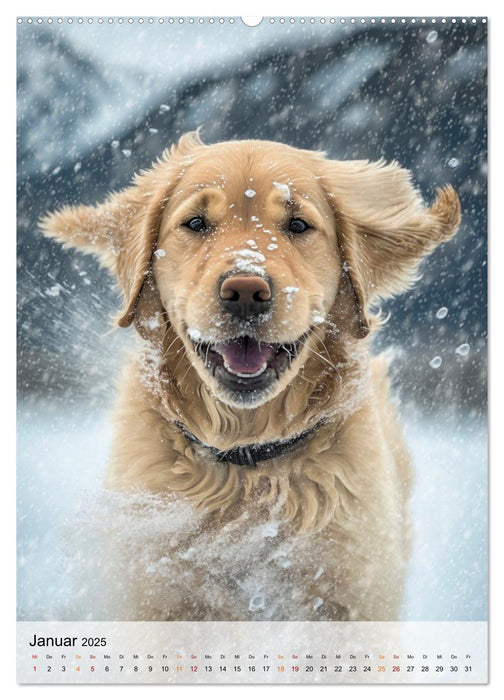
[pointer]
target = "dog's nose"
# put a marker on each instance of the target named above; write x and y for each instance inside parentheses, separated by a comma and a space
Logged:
(246, 296)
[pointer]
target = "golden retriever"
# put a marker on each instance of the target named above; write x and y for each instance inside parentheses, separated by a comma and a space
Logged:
(250, 269)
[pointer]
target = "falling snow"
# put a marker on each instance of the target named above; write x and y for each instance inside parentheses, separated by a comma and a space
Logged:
(91, 113)
(463, 349)
(54, 291)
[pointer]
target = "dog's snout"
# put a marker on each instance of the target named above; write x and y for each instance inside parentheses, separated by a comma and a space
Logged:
(246, 296)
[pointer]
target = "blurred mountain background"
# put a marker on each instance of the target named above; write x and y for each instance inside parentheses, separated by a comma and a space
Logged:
(97, 103)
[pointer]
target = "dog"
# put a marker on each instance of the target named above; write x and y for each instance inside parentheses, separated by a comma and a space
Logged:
(252, 271)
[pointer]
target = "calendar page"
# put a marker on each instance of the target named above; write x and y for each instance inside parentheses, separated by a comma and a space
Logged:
(252, 341)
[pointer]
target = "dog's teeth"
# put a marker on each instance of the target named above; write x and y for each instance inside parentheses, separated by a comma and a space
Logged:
(245, 375)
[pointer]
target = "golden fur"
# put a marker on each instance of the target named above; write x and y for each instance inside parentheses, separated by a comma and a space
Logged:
(342, 495)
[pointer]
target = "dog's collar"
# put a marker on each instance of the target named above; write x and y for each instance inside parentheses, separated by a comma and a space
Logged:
(250, 455)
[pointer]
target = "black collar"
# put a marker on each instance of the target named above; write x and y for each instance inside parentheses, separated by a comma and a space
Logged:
(250, 455)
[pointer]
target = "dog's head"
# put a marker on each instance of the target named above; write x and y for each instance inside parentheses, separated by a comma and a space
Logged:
(249, 249)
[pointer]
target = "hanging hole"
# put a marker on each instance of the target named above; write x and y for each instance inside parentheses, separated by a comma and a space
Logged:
(252, 21)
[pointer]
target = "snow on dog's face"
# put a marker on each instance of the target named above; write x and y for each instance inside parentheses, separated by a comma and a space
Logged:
(249, 249)
(247, 266)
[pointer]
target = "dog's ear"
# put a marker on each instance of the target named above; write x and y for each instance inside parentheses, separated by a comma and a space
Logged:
(384, 228)
(116, 233)
(122, 231)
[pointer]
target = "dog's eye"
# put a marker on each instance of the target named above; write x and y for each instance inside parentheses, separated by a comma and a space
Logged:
(197, 223)
(298, 226)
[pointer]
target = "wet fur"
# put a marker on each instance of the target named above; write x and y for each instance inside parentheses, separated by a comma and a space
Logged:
(341, 498)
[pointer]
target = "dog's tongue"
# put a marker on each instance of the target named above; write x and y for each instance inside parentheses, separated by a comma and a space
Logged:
(246, 355)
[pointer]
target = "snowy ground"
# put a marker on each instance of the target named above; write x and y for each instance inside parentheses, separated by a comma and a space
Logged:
(61, 460)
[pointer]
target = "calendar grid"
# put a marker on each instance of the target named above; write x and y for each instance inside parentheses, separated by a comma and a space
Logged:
(244, 652)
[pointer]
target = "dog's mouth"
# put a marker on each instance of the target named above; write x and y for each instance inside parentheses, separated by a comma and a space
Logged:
(245, 365)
